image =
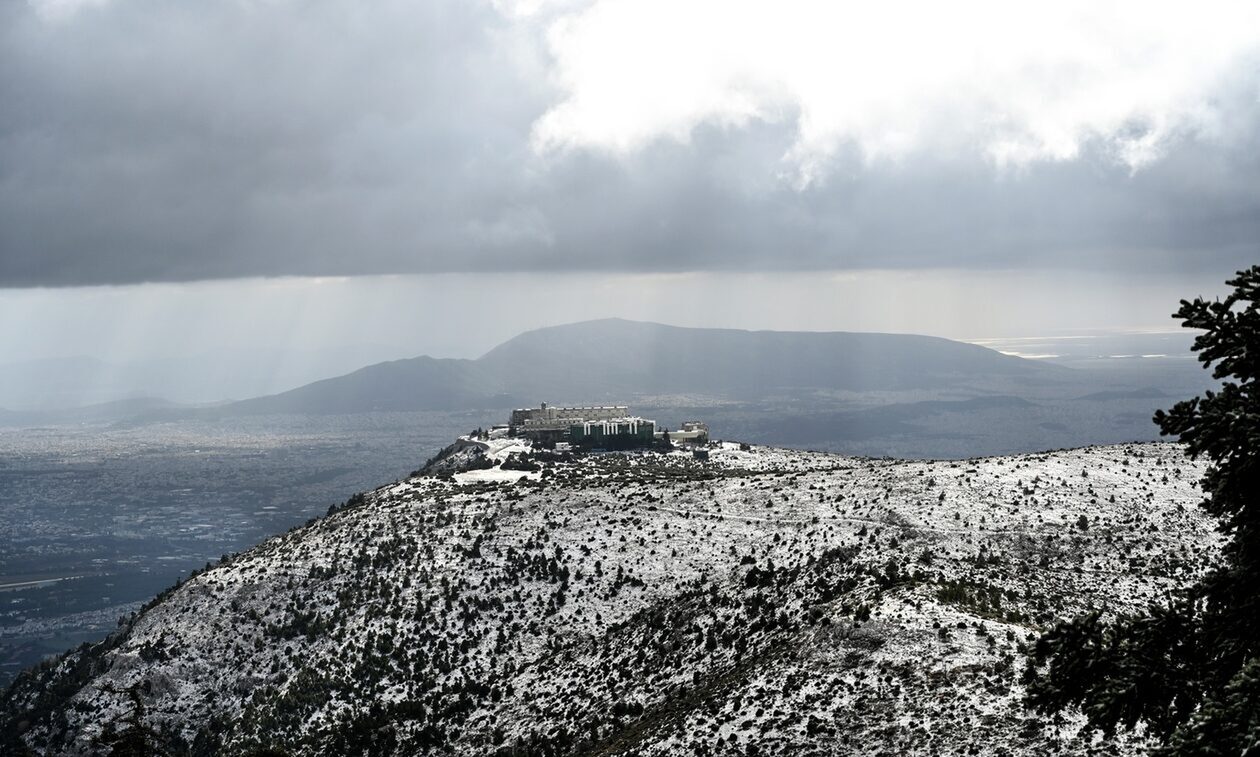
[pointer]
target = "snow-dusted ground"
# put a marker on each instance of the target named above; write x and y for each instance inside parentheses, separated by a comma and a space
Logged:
(763, 602)
(493, 475)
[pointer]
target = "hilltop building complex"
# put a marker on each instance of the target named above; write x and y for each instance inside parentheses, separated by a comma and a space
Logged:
(598, 427)
(552, 424)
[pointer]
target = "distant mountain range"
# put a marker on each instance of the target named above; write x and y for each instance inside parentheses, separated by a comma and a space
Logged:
(615, 360)
(871, 394)
(54, 385)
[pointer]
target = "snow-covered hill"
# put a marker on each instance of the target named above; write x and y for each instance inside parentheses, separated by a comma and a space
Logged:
(762, 602)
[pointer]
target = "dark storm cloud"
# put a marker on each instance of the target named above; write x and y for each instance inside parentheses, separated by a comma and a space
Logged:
(148, 141)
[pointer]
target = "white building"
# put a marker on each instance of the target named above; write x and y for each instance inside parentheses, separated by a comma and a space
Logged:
(692, 432)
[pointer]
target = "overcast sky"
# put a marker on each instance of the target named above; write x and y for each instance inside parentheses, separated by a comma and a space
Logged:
(1016, 154)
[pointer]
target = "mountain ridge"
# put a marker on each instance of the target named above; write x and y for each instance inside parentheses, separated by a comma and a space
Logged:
(763, 602)
(610, 359)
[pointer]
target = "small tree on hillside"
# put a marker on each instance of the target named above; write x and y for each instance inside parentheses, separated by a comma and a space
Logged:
(1189, 669)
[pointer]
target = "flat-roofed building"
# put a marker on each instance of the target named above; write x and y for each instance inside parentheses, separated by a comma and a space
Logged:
(692, 432)
(550, 424)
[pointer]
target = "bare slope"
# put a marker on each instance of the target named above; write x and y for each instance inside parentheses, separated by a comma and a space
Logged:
(765, 602)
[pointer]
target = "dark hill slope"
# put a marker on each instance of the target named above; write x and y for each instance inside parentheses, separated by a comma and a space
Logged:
(421, 383)
(765, 602)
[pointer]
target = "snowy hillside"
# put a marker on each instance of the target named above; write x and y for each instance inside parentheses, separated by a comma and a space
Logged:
(763, 602)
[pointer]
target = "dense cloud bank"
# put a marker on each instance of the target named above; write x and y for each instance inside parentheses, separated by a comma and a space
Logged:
(143, 141)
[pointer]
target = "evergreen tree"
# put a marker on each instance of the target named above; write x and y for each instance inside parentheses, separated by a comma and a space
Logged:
(1189, 668)
(135, 738)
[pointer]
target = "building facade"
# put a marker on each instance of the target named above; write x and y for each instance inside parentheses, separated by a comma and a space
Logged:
(550, 424)
(615, 433)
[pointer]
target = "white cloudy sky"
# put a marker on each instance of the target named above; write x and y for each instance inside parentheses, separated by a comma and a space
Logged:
(251, 172)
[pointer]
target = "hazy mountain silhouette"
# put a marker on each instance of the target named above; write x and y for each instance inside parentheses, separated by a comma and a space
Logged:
(102, 412)
(422, 383)
(629, 356)
(614, 359)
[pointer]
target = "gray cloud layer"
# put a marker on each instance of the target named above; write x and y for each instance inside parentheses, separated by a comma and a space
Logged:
(152, 141)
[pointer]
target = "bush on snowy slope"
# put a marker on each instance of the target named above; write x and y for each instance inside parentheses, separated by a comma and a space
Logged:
(1187, 667)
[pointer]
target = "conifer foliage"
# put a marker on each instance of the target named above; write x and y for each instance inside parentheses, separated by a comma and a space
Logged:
(1188, 669)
